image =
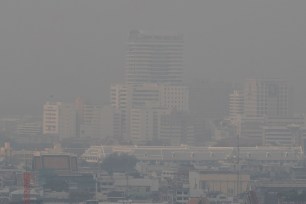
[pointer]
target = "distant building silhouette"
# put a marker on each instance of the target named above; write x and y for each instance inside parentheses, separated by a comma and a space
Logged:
(266, 97)
(153, 89)
(236, 104)
(154, 58)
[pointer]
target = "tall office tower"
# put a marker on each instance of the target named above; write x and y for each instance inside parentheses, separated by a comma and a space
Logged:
(154, 58)
(119, 103)
(148, 100)
(89, 119)
(174, 128)
(59, 120)
(266, 98)
(51, 118)
(125, 97)
(145, 124)
(236, 104)
(67, 121)
(174, 97)
(119, 96)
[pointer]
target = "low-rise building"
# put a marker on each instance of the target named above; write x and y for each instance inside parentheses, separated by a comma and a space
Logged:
(229, 183)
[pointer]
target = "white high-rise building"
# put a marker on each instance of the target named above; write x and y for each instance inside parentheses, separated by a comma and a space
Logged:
(153, 84)
(154, 58)
(236, 104)
(59, 120)
(119, 96)
(51, 118)
(119, 104)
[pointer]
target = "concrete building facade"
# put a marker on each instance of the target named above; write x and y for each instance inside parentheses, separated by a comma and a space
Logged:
(154, 58)
(236, 104)
(214, 181)
(59, 120)
(266, 98)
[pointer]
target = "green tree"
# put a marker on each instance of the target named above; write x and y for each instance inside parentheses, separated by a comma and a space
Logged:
(119, 163)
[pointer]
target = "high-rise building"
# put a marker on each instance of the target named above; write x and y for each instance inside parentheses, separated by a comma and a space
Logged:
(51, 118)
(174, 97)
(134, 103)
(236, 104)
(119, 96)
(175, 128)
(67, 121)
(119, 104)
(154, 58)
(124, 97)
(153, 86)
(59, 120)
(145, 124)
(266, 98)
(90, 123)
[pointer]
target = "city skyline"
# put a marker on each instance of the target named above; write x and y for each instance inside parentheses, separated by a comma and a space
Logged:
(164, 101)
(222, 43)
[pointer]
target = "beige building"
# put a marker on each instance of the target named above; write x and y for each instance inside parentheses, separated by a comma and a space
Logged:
(134, 105)
(119, 103)
(154, 95)
(119, 96)
(266, 98)
(59, 120)
(174, 97)
(229, 183)
(236, 104)
(51, 118)
(124, 97)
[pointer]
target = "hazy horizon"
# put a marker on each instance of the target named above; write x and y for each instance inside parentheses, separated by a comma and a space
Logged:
(71, 48)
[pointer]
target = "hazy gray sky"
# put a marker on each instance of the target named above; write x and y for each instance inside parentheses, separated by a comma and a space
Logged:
(70, 48)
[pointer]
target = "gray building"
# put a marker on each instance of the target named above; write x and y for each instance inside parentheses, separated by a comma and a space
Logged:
(154, 58)
(266, 97)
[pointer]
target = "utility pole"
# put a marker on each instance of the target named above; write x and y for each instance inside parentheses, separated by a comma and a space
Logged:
(238, 164)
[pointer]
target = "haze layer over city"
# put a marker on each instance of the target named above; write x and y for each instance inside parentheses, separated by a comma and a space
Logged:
(164, 101)
(82, 45)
